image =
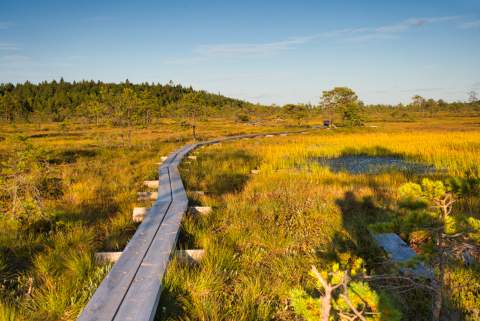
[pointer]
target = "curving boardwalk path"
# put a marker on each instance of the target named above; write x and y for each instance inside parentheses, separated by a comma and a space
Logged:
(132, 289)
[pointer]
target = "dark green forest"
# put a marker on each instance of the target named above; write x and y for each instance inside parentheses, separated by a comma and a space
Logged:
(125, 104)
(61, 100)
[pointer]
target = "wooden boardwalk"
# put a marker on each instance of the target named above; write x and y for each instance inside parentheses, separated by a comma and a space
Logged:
(131, 291)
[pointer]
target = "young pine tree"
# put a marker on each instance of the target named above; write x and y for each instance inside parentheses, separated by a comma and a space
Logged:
(343, 296)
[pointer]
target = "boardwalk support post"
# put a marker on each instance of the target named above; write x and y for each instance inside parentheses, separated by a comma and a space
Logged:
(107, 257)
(200, 210)
(147, 196)
(151, 184)
(190, 257)
(139, 214)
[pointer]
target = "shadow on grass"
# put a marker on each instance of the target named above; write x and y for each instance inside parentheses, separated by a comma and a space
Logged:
(89, 213)
(70, 156)
(357, 214)
(169, 306)
(228, 183)
(58, 134)
(209, 172)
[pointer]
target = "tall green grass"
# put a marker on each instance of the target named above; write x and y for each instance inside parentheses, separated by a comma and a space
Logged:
(85, 183)
(265, 233)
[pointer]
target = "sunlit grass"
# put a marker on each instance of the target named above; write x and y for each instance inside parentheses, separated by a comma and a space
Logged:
(47, 270)
(264, 234)
(265, 229)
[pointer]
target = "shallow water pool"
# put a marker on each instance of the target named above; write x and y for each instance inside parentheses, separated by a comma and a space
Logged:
(364, 164)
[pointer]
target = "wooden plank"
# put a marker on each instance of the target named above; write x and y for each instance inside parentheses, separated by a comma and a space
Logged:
(142, 298)
(182, 152)
(399, 252)
(109, 295)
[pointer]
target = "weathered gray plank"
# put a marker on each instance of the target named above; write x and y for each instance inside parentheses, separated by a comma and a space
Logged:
(142, 298)
(400, 252)
(109, 295)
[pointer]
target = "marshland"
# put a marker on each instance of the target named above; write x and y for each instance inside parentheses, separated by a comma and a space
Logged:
(280, 206)
(239, 160)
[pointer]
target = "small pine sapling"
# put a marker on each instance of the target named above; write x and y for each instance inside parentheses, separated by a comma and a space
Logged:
(343, 296)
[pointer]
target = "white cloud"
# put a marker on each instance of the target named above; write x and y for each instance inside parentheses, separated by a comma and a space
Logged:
(470, 24)
(235, 50)
(15, 60)
(369, 37)
(8, 46)
(412, 23)
(23, 61)
(250, 49)
(390, 31)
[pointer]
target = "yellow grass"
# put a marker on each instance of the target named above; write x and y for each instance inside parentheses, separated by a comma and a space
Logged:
(265, 230)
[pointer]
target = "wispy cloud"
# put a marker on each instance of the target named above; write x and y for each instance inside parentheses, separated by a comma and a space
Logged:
(369, 37)
(5, 25)
(8, 46)
(412, 23)
(203, 52)
(24, 61)
(248, 49)
(15, 59)
(470, 24)
(391, 31)
(236, 50)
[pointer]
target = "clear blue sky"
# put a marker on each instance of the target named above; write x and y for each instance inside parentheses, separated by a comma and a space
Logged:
(265, 51)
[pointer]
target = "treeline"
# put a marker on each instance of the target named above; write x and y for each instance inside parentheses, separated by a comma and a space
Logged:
(429, 105)
(126, 104)
(422, 107)
(98, 101)
(342, 103)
